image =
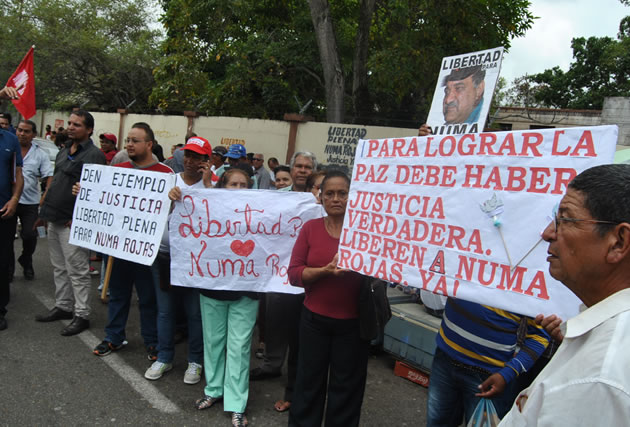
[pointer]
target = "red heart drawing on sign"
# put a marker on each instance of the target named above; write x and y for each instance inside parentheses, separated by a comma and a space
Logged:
(242, 248)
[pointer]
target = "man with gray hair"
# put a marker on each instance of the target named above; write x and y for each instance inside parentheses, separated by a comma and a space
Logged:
(587, 382)
(303, 163)
(463, 95)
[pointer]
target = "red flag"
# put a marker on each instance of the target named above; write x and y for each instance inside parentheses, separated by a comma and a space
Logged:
(23, 79)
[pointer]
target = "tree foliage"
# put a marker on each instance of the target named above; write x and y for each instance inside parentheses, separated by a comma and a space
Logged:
(254, 58)
(96, 53)
(600, 68)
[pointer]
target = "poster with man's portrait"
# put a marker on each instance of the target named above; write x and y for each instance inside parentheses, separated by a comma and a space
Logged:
(464, 91)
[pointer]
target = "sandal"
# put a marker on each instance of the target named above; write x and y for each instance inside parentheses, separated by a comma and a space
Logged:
(282, 405)
(206, 402)
(260, 352)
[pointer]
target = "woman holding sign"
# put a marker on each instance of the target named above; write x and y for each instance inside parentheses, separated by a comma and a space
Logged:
(332, 358)
(228, 323)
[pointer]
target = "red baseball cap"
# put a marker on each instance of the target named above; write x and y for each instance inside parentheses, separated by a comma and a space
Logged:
(198, 145)
(109, 136)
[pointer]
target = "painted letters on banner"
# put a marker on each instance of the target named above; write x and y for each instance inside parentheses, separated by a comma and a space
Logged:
(237, 239)
(121, 212)
(464, 91)
(462, 216)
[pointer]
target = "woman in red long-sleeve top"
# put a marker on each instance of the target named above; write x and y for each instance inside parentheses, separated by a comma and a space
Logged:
(332, 357)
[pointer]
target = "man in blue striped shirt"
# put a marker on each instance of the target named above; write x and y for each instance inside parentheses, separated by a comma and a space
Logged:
(477, 356)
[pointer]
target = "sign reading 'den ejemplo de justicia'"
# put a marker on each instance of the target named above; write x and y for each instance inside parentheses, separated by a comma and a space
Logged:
(121, 212)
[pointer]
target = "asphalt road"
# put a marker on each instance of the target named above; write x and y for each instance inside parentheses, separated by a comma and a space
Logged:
(47, 379)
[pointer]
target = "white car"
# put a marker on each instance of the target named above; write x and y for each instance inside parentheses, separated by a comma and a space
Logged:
(49, 147)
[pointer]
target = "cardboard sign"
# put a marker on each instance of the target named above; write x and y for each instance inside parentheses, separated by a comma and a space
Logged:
(121, 212)
(462, 216)
(237, 239)
(464, 92)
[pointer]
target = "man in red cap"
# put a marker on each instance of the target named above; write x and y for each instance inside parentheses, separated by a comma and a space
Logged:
(108, 145)
(196, 174)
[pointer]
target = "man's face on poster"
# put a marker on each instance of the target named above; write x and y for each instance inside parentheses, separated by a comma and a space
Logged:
(460, 99)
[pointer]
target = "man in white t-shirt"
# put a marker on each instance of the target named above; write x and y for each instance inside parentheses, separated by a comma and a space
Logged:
(197, 174)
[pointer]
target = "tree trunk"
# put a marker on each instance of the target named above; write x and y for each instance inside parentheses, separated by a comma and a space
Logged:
(360, 92)
(329, 56)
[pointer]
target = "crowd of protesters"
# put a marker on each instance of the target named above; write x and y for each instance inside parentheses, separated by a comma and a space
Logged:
(482, 352)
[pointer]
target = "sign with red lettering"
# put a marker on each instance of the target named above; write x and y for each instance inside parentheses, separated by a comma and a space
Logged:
(463, 92)
(121, 212)
(462, 216)
(239, 240)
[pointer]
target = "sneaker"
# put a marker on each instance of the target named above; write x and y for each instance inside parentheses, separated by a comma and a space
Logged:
(94, 271)
(152, 353)
(157, 369)
(239, 419)
(106, 347)
(193, 373)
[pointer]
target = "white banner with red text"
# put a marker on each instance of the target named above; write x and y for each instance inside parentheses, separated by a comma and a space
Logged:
(239, 240)
(462, 216)
(121, 212)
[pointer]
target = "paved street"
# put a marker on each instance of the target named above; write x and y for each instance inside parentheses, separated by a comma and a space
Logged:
(48, 379)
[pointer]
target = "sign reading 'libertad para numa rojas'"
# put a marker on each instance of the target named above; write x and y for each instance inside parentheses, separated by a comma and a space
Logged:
(239, 240)
(121, 212)
(462, 216)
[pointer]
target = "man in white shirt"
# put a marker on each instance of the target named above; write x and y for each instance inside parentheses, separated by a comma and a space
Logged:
(36, 167)
(587, 382)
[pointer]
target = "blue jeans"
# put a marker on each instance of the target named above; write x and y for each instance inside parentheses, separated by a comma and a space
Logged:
(452, 393)
(125, 275)
(166, 315)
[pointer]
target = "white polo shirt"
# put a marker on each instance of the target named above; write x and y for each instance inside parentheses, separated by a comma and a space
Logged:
(36, 166)
(587, 382)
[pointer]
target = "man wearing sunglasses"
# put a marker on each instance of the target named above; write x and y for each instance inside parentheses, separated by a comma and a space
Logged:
(262, 174)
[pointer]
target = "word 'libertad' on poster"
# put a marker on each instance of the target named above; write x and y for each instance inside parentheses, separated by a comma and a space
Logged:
(237, 239)
(462, 216)
(464, 91)
(121, 212)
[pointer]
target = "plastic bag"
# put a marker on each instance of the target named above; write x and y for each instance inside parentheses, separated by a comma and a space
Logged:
(485, 415)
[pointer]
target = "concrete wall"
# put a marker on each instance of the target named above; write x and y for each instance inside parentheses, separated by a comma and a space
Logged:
(335, 144)
(617, 111)
(268, 137)
(523, 118)
(331, 143)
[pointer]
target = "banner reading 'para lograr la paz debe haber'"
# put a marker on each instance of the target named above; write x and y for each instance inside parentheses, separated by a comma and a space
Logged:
(462, 215)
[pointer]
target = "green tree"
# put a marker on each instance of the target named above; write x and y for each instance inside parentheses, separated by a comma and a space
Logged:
(96, 53)
(600, 68)
(360, 61)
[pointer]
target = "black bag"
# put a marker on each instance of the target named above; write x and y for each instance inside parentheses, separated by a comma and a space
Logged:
(374, 309)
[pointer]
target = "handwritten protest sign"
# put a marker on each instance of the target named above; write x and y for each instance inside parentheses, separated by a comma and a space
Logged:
(464, 91)
(237, 239)
(121, 212)
(462, 216)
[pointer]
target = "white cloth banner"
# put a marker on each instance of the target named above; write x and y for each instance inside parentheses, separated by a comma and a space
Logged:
(239, 240)
(121, 212)
(462, 216)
